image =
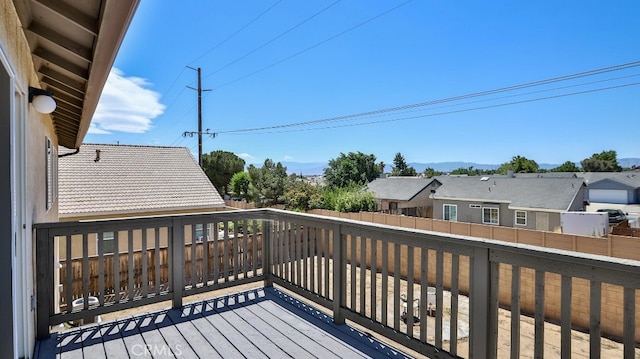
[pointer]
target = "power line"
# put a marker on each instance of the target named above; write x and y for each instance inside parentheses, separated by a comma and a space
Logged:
(315, 45)
(237, 32)
(454, 111)
(274, 39)
(450, 99)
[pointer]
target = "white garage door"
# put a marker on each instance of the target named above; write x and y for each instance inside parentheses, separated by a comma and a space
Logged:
(608, 196)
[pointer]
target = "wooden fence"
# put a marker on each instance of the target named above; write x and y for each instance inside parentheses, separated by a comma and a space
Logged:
(155, 281)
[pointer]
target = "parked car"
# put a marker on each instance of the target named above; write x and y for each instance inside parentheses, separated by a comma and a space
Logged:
(615, 215)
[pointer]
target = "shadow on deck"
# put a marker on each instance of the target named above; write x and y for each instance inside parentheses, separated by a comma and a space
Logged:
(263, 322)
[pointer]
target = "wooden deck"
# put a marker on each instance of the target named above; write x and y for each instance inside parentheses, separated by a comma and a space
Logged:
(260, 323)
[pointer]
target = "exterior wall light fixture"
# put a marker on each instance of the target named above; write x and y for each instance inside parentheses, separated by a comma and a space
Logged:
(42, 100)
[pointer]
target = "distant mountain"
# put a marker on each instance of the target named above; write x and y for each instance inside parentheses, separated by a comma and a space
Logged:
(317, 168)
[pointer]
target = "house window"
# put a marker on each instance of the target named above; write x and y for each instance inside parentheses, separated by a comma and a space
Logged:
(490, 215)
(51, 185)
(521, 218)
(200, 233)
(108, 242)
(450, 212)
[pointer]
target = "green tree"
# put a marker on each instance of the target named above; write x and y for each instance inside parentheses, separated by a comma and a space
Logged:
(268, 183)
(239, 185)
(352, 168)
(568, 166)
(430, 172)
(400, 167)
(605, 161)
(220, 166)
(519, 164)
(302, 195)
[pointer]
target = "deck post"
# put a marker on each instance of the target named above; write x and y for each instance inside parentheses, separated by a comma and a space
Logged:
(339, 274)
(176, 263)
(480, 296)
(267, 249)
(44, 282)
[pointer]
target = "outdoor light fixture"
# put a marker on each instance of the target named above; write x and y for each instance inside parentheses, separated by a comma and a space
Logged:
(42, 100)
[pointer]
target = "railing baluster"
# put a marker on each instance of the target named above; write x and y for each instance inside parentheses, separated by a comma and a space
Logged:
(424, 285)
(245, 246)
(298, 253)
(215, 252)
(453, 321)
(374, 276)
(266, 270)
(439, 297)
(145, 265)
(194, 243)
(396, 286)
(69, 272)
(565, 313)
(410, 318)
(158, 265)
(327, 257)
(384, 293)
(85, 271)
(515, 311)
(363, 274)
(629, 311)
(101, 272)
(236, 251)
(538, 350)
(304, 255)
(312, 259)
(479, 303)
(207, 229)
(339, 274)
(595, 305)
(225, 249)
(131, 279)
(353, 267)
(116, 266)
(492, 310)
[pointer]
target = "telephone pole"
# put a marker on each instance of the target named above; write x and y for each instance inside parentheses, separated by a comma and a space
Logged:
(199, 89)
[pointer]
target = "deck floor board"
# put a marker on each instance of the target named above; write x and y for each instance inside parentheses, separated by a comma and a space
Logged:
(259, 323)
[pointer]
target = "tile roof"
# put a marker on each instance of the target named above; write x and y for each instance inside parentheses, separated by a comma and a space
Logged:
(398, 188)
(551, 193)
(132, 179)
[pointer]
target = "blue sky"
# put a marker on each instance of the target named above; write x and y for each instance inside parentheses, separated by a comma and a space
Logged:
(293, 68)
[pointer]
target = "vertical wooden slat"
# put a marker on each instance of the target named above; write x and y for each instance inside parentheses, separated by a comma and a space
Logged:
(538, 350)
(515, 312)
(208, 228)
(304, 255)
(363, 275)
(453, 322)
(158, 266)
(69, 280)
(396, 286)
(236, 251)
(353, 270)
(145, 265)
(492, 344)
(85, 270)
(101, 271)
(439, 297)
(384, 293)
(225, 251)
(287, 251)
(479, 272)
(298, 253)
(327, 257)
(424, 285)
(215, 251)
(116, 266)
(193, 278)
(629, 324)
(595, 305)
(312, 260)
(374, 275)
(131, 277)
(339, 274)
(565, 316)
(280, 250)
(245, 246)
(410, 318)
(266, 270)
(177, 263)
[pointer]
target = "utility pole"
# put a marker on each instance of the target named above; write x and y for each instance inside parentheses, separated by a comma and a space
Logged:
(199, 89)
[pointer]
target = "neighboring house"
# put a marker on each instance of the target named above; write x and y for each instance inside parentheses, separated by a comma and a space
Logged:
(66, 47)
(613, 187)
(115, 181)
(533, 203)
(410, 196)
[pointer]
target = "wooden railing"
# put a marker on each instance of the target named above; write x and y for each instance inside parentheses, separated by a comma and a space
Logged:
(365, 273)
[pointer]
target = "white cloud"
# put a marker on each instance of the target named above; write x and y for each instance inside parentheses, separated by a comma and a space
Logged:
(245, 156)
(126, 105)
(288, 158)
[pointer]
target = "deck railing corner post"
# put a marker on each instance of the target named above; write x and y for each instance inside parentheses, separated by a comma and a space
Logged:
(339, 274)
(267, 243)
